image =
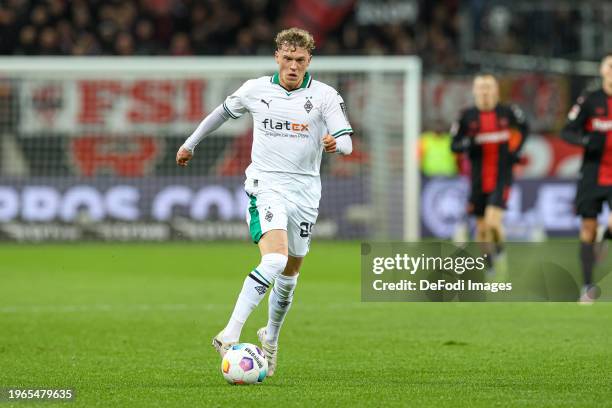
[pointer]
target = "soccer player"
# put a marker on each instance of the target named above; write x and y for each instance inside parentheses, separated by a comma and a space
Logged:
(295, 119)
(589, 125)
(484, 133)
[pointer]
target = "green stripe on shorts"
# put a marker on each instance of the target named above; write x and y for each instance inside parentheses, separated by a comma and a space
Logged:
(254, 225)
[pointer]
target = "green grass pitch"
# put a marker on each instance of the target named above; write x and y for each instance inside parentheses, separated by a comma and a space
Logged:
(130, 326)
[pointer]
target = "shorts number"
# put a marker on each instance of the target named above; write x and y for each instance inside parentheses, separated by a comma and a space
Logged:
(305, 229)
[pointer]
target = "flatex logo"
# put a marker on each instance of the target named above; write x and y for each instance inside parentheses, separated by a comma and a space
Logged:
(286, 125)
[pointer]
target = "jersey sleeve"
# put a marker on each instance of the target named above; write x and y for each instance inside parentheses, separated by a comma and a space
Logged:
(518, 120)
(460, 142)
(335, 116)
(573, 131)
(235, 105)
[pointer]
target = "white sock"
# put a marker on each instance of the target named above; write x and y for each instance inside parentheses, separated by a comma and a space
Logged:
(253, 290)
(279, 304)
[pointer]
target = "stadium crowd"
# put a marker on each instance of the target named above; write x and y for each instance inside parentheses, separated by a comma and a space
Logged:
(246, 27)
(212, 27)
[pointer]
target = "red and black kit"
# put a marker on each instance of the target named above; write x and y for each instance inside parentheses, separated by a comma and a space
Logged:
(590, 125)
(493, 140)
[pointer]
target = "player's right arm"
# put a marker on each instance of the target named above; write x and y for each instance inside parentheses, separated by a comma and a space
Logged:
(210, 123)
(233, 107)
(574, 130)
(461, 141)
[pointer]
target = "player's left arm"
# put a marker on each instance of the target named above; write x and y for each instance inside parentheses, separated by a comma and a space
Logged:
(461, 142)
(518, 120)
(340, 131)
(342, 144)
(574, 131)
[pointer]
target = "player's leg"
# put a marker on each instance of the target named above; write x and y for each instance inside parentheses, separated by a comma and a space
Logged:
(279, 303)
(267, 221)
(483, 237)
(299, 230)
(281, 298)
(494, 220)
(607, 234)
(482, 233)
(476, 206)
(588, 233)
(494, 217)
(588, 207)
(601, 247)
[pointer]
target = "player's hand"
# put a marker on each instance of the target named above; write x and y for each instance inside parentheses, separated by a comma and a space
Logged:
(183, 156)
(329, 144)
(469, 144)
(594, 143)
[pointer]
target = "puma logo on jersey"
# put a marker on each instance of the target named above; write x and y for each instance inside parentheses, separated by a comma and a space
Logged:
(267, 103)
(286, 125)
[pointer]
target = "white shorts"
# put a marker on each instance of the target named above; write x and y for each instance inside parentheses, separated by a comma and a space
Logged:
(269, 210)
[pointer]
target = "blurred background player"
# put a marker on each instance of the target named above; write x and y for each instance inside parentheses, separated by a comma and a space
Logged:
(295, 119)
(483, 132)
(589, 125)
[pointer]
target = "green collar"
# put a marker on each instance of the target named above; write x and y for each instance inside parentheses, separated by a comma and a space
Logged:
(305, 82)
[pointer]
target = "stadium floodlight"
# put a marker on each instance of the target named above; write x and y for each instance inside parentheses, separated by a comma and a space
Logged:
(71, 120)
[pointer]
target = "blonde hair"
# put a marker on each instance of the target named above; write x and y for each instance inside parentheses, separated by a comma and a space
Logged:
(295, 38)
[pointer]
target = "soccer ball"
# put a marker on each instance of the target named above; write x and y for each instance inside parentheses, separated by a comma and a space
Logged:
(244, 363)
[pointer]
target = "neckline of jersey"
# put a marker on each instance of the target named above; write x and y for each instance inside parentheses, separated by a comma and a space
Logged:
(275, 79)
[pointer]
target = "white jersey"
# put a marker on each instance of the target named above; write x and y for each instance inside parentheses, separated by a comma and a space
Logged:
(288, 128)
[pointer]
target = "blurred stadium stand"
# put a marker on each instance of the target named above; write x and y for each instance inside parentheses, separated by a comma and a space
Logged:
(441, 32)
(234, 27)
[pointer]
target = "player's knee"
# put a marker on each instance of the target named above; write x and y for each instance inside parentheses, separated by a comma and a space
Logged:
(481, 232)
(273, 264)
(587, 237)
(481, 235)
(588, 234)
(495, 226)
(493, 222)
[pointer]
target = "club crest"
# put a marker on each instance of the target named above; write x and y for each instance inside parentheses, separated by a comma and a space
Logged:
(308, 105)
